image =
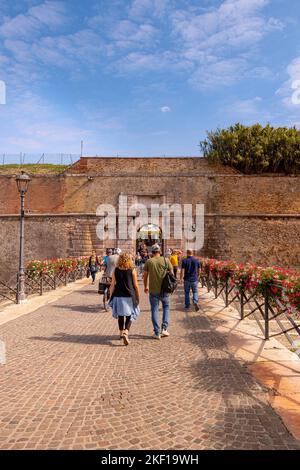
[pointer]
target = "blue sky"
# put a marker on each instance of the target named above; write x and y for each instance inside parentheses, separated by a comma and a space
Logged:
(143, 77)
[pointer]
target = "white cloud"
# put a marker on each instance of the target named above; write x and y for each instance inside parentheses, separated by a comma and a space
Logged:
(50, 14)
(145, 62)
(141, 8)
(216, 47)
(127, 34)
(31, 124)
(69, 52)
(165, 109)
(247, 108)
(212, 47)
(219, 73)
(218, 42)
(84, 45)
(236, 21)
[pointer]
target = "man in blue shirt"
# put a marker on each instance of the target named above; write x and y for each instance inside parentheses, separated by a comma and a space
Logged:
(108, 253)
(190, 268)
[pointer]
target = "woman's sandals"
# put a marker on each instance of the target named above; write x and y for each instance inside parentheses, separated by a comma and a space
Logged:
(125, 337)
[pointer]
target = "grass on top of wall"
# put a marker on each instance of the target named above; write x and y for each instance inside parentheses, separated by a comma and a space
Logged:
(39, 169)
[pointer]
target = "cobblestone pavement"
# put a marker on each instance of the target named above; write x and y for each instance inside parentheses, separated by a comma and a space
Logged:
(69, 383)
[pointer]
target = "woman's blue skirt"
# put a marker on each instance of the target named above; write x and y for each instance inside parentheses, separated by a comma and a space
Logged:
(123, 307)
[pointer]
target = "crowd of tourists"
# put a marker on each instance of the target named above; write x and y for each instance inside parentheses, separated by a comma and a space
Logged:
(160, 275)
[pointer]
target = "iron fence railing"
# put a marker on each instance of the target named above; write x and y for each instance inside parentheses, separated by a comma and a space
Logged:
(8, 292)
(39, 283)
(36, 159)
(273, 316)
(60, 158)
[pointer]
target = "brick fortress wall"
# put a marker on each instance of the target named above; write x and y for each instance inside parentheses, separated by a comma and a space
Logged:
(249, 218)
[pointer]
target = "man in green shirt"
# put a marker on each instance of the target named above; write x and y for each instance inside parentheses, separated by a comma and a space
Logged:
(155, 270)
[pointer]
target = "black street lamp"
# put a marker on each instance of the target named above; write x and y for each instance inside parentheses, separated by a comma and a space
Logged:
(22, 181)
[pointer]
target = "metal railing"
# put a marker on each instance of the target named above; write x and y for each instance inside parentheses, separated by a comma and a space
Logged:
(273, 316)
(8, 292)
(38, 159)
(39, 284)
(62, 158)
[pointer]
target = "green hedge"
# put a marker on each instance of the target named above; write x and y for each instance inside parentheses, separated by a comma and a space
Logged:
(255, 149)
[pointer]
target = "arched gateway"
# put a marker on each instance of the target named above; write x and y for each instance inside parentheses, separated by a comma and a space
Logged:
(148, 235)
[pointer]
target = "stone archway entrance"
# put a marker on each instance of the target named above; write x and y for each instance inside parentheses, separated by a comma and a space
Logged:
(148, 235)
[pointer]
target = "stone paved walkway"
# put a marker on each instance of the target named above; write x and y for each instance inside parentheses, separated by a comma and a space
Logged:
(69, 383)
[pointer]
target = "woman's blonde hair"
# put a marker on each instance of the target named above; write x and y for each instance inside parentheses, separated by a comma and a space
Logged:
(125, 261)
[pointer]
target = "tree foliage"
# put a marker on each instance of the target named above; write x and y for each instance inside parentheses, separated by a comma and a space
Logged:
(255, 149)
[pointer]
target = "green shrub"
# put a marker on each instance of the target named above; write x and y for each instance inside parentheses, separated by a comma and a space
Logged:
(255, 149)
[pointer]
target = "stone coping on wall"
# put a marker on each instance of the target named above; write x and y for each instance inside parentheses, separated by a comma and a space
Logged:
(146, 166)
(89, 214)
(121, 174)
(167, 175)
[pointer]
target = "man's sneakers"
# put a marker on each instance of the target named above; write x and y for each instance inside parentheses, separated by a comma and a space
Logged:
(196, 307)
(163, 334)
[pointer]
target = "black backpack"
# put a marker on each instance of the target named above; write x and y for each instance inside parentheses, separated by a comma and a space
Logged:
(169, 283)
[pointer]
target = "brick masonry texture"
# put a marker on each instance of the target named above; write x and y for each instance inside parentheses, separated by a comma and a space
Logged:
(69, 383)
(151, 166)
(230, 200)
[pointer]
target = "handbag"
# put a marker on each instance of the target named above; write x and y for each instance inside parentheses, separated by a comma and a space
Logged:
(88, 272)
(169, 283)
(93, 268)
(104, 284)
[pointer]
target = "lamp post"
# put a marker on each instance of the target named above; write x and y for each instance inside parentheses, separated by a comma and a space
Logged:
(22, 181)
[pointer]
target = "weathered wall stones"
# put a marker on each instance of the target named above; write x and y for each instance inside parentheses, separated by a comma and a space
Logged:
(253, 218)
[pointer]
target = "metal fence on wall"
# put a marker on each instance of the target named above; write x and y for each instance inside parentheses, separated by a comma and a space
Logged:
(36, 159)
(62, 158)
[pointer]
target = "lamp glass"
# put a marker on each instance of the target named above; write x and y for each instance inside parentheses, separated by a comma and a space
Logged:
(23, 181)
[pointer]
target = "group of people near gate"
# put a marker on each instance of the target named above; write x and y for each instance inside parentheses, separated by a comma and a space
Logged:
(124, 290)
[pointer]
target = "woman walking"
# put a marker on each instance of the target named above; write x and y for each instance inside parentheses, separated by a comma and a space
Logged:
(94, 266)
(124, 295)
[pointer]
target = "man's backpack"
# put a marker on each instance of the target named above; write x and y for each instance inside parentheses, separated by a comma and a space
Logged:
(169, 283)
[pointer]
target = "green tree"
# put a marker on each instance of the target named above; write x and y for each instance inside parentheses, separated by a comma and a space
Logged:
(255, 149)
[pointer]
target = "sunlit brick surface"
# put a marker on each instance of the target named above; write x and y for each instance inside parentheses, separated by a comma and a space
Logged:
(69, 383)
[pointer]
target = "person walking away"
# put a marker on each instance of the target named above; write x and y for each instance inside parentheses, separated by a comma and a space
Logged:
(174, 261)
(143, 247)
(145, 256)
(138, 259)
(124, 295)
(111, 262)
(190, 268)
(139, 264)
(155, 270)
(94, 265)
(108, 252)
